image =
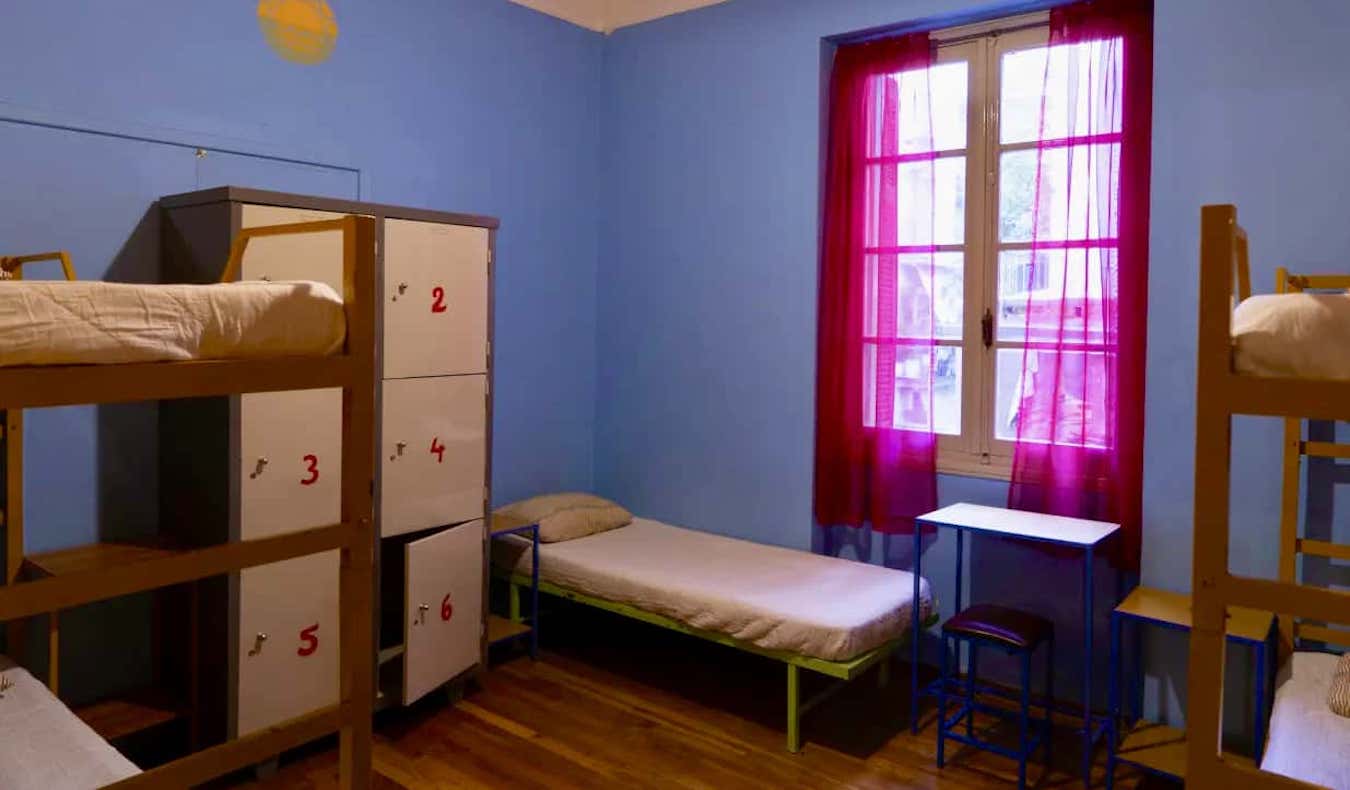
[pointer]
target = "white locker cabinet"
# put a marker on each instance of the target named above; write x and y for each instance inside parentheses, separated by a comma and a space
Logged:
(253, 466)
(442, 626)
(288, 645)
(434, 440)
(290, 462)
(436, 299)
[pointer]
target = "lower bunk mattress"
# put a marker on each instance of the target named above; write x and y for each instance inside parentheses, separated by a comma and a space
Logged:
(767, 596)
(43, 746)
(86, 323)
(1307, 741)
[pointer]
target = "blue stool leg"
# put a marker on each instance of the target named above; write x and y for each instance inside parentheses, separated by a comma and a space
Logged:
(1024, 745)
(942, 699)
(970, 688)
(1049, 701)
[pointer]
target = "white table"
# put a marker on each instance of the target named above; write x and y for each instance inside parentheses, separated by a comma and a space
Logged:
(1075, 533)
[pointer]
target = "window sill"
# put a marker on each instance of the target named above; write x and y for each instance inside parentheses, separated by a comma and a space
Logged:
(988, 467)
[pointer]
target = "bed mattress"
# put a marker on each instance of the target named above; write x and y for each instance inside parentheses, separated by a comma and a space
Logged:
(81, 323)
(1306, 740)
(770, 597)
(1300, 335)
(43, 746)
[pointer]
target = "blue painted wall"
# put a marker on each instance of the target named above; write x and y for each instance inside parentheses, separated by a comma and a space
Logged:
(708, 270)
(470, 105)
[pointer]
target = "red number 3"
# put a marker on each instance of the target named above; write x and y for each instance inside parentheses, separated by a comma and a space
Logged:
(313, 469)
(309, 641)
(446, 608)
(438, 449)
(438, 300)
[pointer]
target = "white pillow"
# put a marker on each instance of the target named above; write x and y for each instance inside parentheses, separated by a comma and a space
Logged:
(564, 516)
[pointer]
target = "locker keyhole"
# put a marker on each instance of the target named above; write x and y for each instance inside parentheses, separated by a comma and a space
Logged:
(399, 448)
(258, 469)
(422, 614)
(402, 289)
(258, 644)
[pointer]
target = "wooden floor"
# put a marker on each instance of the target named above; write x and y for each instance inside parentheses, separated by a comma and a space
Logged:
(614, 704)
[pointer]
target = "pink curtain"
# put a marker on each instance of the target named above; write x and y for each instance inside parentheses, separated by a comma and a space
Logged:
(1077, 404)
(876, 454)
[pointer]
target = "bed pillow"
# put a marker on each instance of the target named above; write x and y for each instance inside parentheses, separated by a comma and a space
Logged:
(1338, 698)
(566, 516)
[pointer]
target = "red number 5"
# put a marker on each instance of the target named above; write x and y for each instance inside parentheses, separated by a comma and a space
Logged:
(313, 469)
(438, 449)
(309, 641)
(438, 300)
(446, 608)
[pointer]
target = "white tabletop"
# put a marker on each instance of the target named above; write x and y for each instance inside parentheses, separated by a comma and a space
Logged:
(1022, 524)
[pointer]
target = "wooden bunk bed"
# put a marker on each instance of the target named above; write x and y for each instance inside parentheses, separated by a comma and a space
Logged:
(351, 368)
(1306, 611)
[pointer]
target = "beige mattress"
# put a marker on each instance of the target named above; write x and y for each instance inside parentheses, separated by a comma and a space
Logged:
(1307, 741)
(770, 597)
(43, 746)
(1299, 335)
(86, 323)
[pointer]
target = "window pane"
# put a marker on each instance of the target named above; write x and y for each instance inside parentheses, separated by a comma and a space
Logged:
(930, 109)
(1081, 86)
(928, 200)
(1069, 294)
(913, 407)
(1077, 193)
(1063, 402)
(926, 287)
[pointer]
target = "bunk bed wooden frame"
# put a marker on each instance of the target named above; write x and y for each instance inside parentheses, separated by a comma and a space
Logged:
(353, 371)
(1221, 394)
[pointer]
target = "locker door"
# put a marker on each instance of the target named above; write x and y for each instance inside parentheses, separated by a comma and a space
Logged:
(436, 299)
(288, 640)
(311, 256)
(434, 452)
(442, 627)
(290, 464)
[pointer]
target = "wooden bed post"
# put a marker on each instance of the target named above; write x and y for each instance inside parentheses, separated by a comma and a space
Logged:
(794, 719)
(357, 573)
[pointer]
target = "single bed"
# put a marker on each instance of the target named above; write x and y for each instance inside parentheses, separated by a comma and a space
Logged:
(83, 323)
(829, 615)
(43, 746)
(1307, 740)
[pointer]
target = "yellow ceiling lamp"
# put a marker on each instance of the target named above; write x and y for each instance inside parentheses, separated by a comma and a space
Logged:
(301, 31)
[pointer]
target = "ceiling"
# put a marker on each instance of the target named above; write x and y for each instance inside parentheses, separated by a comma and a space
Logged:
(606, 16)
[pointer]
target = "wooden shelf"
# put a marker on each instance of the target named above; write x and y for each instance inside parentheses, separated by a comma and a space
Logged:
(93, 557)
(390, 653)
(136, 712)
(500, 629)
(1169, 608)
(1162, 749)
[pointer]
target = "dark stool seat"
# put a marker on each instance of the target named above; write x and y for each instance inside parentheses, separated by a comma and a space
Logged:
(1012, 628)
(1007, 630)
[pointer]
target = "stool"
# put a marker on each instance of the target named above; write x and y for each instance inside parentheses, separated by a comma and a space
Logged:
(1015, 633)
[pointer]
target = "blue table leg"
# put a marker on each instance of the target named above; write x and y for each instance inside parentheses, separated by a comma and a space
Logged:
(534, 596)
(1114, 705)
(917, 616)
(960, 564)
(1259, 731)
(1087, 667)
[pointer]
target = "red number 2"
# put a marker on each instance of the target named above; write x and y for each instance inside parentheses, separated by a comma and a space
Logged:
(446, 608)
(438, 449)
(438, 300)
(313, 469)
(309, 641)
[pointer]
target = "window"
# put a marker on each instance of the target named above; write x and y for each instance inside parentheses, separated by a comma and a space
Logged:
(970, 192)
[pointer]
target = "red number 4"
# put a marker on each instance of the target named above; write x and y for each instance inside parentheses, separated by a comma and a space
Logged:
(447, 609)
(438, 300)
(312, 469)
(309, 641)
(438, 449)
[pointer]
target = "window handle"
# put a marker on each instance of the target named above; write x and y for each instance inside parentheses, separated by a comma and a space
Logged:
(987, 327)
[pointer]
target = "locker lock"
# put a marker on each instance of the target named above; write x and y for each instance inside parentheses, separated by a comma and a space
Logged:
(258, 470)
(258, 644)
(421, 614)
(400, 447)
(402, 289)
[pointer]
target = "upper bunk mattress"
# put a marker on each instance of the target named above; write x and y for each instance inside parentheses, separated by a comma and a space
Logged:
(1307, 741)
(770, 597)
(89, 323)
(1299, 335)
(43, 746)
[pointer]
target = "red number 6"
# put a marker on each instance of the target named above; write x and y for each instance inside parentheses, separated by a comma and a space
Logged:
(313, 469)
(309, 641)
(438, 300)
(446, 608)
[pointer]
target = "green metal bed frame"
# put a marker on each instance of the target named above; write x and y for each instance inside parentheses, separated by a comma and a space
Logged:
(842, 671)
